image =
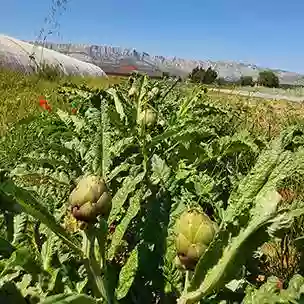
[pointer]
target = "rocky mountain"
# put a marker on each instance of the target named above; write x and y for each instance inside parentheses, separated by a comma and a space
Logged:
(111, 59)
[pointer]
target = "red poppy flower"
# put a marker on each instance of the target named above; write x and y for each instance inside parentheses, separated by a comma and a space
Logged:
(74, 111)
(44, 104)
(48, 108)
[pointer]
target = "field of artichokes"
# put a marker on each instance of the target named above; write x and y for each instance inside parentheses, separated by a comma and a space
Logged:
(148, 193)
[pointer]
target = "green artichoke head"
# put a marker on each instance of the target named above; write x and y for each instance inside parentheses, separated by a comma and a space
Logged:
(194, 232)
(148, 117)
(90, 198)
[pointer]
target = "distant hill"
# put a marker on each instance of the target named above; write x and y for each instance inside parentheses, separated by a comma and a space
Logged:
(112, 59)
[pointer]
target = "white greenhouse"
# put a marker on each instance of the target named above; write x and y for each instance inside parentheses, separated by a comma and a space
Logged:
(19, 55)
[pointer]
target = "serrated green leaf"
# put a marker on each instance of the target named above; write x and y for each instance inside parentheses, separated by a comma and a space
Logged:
(127, 275)
(81, 285)
(186, 105)
(55, 280)
(120, 230)
(203, 184)
(121, 168)
(38, 211)
(243, 196)
(119, 146)
(69, 299)
(170, 132)
(118, 104)
(25, 258)
(269, 292)
(161, 172)
(48, 250)
(128, 186)
(25, 283)
(240, 142)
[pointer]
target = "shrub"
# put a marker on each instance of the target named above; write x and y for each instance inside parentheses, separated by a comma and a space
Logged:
(200, 75)
(246, 81)
(268, 79)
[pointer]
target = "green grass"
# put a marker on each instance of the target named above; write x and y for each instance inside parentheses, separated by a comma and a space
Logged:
(19, 93)
(19, 98)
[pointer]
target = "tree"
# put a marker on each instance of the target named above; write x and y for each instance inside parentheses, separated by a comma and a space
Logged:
(210, 76)
(246, 81)
(268, 79)
(199, 75)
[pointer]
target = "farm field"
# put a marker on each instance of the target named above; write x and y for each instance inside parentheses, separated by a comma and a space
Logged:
(295, 92)
(143, 191)
(19, 97)
(293, 96)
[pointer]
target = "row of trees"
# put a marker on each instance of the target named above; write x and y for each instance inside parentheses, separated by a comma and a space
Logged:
(209, 76)
(200, 75)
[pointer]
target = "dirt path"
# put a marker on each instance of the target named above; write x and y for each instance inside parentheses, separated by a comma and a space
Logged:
(260, 95)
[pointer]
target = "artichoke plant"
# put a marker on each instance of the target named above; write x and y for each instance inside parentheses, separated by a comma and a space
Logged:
(194, 232)
(90, 198)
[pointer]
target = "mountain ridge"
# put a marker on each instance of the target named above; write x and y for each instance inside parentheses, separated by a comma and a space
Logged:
(111, 57)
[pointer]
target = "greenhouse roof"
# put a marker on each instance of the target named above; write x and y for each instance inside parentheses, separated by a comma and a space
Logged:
(19, 55)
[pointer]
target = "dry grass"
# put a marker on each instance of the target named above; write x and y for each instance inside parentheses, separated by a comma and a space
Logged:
(264, 115)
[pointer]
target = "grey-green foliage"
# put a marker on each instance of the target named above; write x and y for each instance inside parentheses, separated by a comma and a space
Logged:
(65, 147)
(70, 299)
(193, 155)
(37, 246)
(253, 207)
(39, 180)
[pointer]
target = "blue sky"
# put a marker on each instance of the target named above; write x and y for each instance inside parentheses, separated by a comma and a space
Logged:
(268, 33)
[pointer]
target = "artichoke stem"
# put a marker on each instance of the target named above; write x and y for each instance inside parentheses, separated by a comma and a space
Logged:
(187, 280)
(93, 269)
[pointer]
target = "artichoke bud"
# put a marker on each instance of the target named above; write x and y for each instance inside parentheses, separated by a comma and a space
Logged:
(154, 92)
(90, 198)
(148, 117)
(132, 91)
(194, 232)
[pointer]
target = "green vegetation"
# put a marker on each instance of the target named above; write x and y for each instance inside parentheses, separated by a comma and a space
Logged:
(200, 75)
(268, 79)
(221, 81)
(19, 94)
(246, 81)
(210, 76)
(142, 191)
